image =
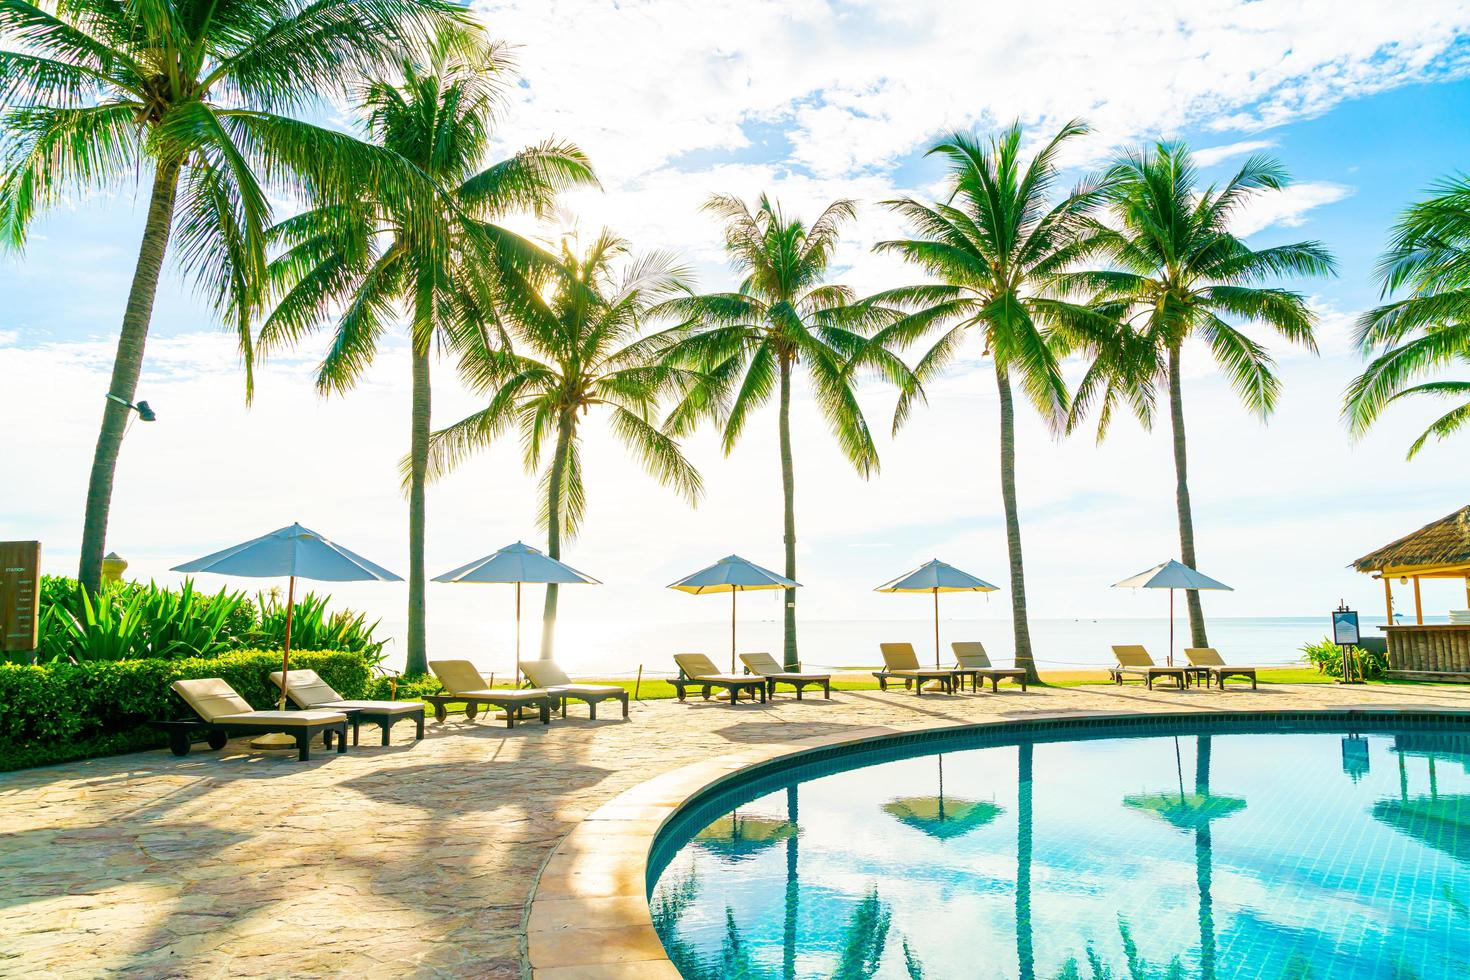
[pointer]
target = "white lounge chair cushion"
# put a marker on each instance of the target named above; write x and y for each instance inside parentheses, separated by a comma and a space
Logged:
(280, 719)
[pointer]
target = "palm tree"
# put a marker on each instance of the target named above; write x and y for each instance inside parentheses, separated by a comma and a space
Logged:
(356, 262)
(196, 98)
(749, 342)
(993, 249)
(1429, 328)
(581, 349)
(1180, 274)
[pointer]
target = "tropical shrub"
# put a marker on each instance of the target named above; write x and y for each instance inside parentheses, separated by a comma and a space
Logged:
(128, 621)
(67, 711)
(1326, 656)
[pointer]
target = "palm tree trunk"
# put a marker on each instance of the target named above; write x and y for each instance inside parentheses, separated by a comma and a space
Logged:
(1186, 516)
(553, 527)
(417, 661)
(788, 490)
(1019, 624)
(126, 367)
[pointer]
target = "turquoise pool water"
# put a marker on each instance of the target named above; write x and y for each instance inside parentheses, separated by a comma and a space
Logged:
(1203, 852)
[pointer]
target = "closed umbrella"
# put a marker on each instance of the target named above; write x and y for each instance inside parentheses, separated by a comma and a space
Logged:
(517, 564)
(935, 576)
(1171, 575)
(733, 574)
(291, 552)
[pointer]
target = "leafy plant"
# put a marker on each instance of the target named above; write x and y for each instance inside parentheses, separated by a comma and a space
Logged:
(314, 628)
(1326, 656)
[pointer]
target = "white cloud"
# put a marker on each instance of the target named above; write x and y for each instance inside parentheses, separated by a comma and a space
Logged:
(1286, 208)
(1211, 155)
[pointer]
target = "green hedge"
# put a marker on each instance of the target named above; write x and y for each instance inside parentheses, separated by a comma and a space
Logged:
(72, 711)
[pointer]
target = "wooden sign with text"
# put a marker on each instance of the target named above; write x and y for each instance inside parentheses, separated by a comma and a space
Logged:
(20, 595)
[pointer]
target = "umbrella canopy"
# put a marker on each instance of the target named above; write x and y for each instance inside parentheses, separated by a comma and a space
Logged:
(940, 818)
(733, 574)
(516, 564)
(1171, 575)
(738, 837)
(292, 552)
(936, 576)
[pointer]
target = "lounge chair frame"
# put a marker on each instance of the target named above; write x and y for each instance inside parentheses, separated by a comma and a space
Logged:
(589, 694)
(755, 684)
(473, 702)
(992, 673)
(360, 711)
(795, 679)
(1147, 671)
(183, 734)
(945, 676)
(1215, 673)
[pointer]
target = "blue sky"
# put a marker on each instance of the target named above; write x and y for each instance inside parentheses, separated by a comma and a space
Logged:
(1365, 104)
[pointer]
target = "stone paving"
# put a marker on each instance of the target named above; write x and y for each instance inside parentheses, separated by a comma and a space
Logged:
(416, 858)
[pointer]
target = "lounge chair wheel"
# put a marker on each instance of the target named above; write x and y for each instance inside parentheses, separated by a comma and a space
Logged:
(217, 741)
(178, 743)
(471, 710)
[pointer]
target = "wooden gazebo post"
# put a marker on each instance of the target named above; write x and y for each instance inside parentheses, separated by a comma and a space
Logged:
(1387, 597)
(1418, 604)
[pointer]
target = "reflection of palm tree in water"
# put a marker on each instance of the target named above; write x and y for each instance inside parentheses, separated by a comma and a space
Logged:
(1025, 954)
(1194, 812)
(788, 937)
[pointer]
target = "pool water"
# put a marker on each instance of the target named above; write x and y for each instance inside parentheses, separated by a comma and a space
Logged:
(1206, 854)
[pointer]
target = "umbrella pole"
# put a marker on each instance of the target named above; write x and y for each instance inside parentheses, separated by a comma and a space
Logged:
(1171, 627)
(518, 635)
(936, 629)
(286, 647)
(733, 593)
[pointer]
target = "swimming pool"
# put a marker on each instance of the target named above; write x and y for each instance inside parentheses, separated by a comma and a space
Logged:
(1309, 846)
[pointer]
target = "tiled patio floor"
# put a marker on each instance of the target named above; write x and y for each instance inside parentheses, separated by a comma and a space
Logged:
(414, 859)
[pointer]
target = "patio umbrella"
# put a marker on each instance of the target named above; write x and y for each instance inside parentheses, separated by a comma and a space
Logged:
(935, 576)
(291, 552)
(738, 837)
(733, 574)
(1171, 575)
(941, 818)
(517, 564)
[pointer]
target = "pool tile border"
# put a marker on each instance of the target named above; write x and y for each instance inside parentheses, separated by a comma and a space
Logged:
(588, 916)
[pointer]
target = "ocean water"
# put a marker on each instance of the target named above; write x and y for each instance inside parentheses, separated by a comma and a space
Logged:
(616, 648)
(1316, 854)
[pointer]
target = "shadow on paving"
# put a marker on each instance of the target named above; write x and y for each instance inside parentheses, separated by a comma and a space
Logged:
(457, 788)
(760, 732)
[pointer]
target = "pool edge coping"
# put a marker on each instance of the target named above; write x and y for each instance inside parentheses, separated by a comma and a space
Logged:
(588, 915)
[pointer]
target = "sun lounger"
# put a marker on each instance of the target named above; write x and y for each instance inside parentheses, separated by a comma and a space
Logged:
(765, 665)
(1216, 669)
(222, 713)
(1135, 660)
(973, 662)
(899, 660)
(546, 675)
(463, 683)
(697, 670)
(307, 690)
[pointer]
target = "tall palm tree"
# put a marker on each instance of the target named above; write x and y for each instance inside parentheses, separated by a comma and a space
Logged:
(197, 98)
(749, 342)
(1428, 329)
(583, 348)
(357, 262)
(1180, 273)
(993, 249)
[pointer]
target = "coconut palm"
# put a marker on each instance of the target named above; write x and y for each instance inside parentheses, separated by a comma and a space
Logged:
(749, 343)
(1180, 274)
(1428, 329)
(993, 249)
(357, 263)
(197, 99)
(582, 349)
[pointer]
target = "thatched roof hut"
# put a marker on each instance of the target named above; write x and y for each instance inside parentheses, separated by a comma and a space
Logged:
(1438, 550)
